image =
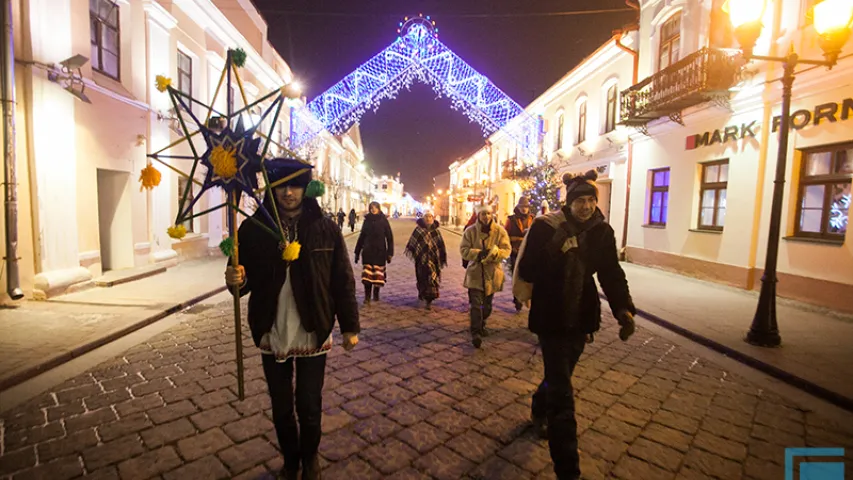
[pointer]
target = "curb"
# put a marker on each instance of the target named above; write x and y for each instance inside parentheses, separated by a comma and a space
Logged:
(54, 362)
(807, 386)
(451, 231)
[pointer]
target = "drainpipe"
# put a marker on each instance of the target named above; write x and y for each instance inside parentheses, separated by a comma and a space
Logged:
(623, 251)
(7, 84)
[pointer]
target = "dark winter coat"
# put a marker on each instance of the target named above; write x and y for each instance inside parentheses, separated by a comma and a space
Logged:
(516, 226)
(322, 277)
(559, 259)
(375, 242)
(352, 217)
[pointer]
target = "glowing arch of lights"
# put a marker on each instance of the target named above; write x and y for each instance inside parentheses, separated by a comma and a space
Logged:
(416, 55)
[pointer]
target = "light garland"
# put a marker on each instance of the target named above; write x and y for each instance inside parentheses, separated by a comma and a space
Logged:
(417, 55)
(838, 214)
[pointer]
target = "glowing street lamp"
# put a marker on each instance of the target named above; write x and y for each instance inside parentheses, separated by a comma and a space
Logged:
(832, 22)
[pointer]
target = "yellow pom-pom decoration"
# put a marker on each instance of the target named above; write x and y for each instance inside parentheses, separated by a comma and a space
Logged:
(162, 83)
(149, 177)
(224, 161)
(177, 232)
(291, 251)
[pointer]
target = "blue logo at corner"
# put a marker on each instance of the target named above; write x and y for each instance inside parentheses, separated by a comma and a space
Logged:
(824, 470)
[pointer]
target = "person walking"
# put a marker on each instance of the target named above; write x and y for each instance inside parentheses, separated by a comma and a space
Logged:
(341, 218)
(516, 227)
(558, 258)
(352, 219)
(484, 245)
(293, 304)
(376, 242)
(426, 248)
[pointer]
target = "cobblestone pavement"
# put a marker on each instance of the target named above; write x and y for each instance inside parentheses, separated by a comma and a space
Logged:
(413, 401)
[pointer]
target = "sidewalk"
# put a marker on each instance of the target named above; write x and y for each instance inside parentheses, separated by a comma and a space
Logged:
(815, 355)
(36, 336)
(816, 350)
(39, 335)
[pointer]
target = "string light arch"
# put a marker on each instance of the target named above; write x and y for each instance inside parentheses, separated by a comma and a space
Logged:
(416, 55)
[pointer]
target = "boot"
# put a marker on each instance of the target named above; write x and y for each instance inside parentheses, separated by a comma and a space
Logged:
(540, 427)
(367, 289)
(429, 304)
(476, 340)
(311, 468)
(375, 293)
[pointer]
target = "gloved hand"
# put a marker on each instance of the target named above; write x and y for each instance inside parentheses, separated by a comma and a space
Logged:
(356, 258)
(389, 260)
(350, 341)
(482, 255)
(626, 321)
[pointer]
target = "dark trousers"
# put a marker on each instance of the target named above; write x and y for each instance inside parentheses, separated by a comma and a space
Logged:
(480, 308)
(555, 400)
(302, 442)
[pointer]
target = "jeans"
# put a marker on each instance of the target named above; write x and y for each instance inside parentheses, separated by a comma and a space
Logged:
(555, 400)
(302, 442)
(480, 309)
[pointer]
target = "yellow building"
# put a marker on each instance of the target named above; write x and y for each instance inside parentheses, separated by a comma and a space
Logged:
(706, 158)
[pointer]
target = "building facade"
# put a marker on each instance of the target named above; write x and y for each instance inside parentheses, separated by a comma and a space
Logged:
(81, 211)
(705, 158)
(340, 164)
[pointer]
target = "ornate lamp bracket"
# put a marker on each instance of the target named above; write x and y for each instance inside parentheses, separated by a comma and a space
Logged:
(676, 117)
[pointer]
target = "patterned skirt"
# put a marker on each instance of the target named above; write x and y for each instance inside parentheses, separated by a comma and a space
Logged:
(373, 275)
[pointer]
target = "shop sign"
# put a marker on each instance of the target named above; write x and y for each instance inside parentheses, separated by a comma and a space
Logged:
(727, 134)
(475, 198)
(830, 112)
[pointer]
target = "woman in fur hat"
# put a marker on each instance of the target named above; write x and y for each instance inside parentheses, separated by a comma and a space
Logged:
(426, 249)
(375, 246)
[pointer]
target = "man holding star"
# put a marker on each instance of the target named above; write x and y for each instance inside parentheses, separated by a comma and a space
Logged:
(298, 286)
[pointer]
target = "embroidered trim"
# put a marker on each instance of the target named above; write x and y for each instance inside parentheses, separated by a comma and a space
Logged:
(295, 352)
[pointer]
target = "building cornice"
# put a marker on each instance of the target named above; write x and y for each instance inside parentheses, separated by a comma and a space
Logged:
(209, 17)
(159, 15)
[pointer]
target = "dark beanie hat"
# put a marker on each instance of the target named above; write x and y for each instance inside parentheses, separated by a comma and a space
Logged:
(279, 168)
(580, 185)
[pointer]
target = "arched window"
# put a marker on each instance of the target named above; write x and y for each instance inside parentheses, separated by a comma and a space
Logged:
(670, 41)
(610, 107)
(581, 121)
(561, 124)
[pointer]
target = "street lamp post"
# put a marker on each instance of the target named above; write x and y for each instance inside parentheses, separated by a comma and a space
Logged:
(832, 21)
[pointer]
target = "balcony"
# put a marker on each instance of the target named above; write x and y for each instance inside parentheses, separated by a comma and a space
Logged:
(700, 77)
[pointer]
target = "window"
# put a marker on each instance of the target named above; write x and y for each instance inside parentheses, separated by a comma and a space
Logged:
(670, 39)
(561, 121)
(712, 195)
(185, 74)
(659, 200)
(610, 109)
(104, 36)
(182, 186)
(823, 201)
(582, 122)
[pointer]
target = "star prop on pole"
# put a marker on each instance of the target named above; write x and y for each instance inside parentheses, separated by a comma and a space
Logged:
(233, 157)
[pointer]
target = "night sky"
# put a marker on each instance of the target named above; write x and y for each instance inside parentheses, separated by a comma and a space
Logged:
(417, 134)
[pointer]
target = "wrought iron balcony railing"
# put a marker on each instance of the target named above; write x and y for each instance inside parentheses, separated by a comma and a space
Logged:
(700, 77)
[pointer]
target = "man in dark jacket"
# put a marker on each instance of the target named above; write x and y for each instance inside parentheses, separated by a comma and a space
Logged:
(559, 257)
(516, 226)
(299, 284)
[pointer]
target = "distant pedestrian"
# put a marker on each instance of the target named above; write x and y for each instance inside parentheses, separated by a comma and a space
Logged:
(352, 219)
(292, 309)
(376, 242)
(426, 248)
(516, 227)
(341, 218)
(559, 257)
(484, 245)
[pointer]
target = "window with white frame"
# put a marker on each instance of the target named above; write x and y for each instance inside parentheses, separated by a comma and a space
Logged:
(561, 124)
(610, 107)
(185, 75)
(581, 137)
(104, 35)
(669, 50)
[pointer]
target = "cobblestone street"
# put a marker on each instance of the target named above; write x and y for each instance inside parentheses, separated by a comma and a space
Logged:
(414, 400)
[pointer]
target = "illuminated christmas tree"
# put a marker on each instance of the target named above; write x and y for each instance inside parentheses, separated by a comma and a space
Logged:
(540, 182)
